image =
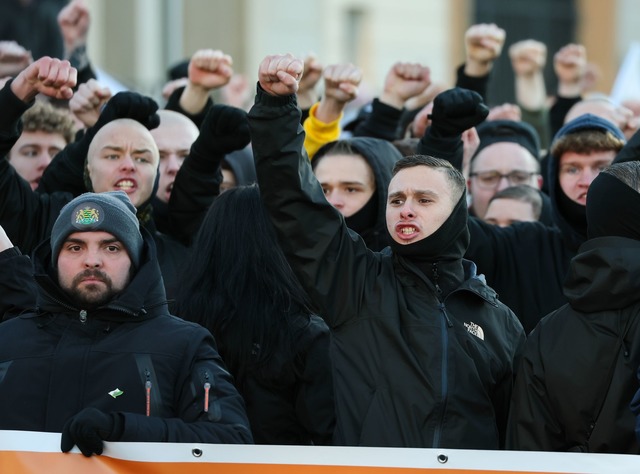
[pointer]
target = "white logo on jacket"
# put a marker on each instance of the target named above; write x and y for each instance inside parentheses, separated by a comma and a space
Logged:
(474, 329)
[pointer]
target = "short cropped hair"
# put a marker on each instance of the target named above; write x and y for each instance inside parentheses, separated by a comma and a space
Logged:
(627, 172)
(522, 193)
(44, 117)
(454, 177)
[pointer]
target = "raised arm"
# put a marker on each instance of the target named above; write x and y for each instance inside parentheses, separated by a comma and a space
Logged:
(341, 83)
(17, 286)
(331, 262)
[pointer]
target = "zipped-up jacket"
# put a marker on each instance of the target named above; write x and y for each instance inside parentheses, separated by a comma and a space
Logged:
(410, 369)
(130, 356)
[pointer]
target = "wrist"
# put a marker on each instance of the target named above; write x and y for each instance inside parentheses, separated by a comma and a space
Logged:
(475, 68)
(23, 90)
(193, 98)
(569, 89)
(329, 110)
(391, 99)
(306, 98)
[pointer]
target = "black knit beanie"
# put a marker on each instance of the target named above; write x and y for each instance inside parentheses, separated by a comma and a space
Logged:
(110, 212)
(499, 131)
(613, 208)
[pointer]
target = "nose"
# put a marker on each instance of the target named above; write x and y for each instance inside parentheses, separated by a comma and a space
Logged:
(587, 176)
(335, 199)
(92, 259)
(503, 183)
(127, 163)
(43, 160)
(173, 164)
(406, 212)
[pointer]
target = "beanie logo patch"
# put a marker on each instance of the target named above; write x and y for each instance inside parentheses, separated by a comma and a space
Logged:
(87, 216)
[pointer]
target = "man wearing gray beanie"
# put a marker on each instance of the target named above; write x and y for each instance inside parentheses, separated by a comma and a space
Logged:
(107, 360)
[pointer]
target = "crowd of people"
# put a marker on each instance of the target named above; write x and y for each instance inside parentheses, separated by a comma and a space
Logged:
(437, 272)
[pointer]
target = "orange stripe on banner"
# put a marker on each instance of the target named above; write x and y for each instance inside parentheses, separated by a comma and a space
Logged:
(16, 462)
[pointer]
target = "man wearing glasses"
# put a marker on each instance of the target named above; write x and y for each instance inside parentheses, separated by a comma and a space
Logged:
(507, 156)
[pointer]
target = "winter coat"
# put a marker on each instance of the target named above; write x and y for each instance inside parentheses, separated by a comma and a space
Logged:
(409, 370)
(123, 357)
(578, 372)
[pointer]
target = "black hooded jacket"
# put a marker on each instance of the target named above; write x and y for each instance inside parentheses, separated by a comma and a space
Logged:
(410, 369)
(578, 373)
(381, 156)
(75, 358)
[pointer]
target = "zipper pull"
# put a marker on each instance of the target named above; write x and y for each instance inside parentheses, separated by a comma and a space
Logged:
(83, 316)
(147, 388)
(207, 387)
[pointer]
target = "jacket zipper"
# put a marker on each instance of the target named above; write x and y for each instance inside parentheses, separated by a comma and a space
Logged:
(445, 324)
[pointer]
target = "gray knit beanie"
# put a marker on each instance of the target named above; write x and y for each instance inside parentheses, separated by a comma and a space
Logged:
(110, 212)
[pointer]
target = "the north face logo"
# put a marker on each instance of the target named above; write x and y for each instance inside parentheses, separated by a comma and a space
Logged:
(474, 329)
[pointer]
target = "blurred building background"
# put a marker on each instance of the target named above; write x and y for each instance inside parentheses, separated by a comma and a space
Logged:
(136, 41)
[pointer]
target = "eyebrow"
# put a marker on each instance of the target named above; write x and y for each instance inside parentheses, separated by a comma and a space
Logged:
(417, 192)
(121, 149)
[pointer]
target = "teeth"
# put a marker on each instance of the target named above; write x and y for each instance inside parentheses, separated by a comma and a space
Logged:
(408, 230)
(125, 183)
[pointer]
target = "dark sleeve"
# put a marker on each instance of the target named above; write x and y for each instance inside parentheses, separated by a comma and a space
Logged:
(446, 148)
(314, 401)
(10, 118)
(477, 84)
(65, 173)
(17, 286)
(196, 186)
(631, 151)
(558, 112)
(331, 263)
(173, 103)
(532, 425)
(381, 123)
(226, 420)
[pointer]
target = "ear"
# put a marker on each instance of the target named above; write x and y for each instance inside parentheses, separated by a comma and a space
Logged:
(540, 180)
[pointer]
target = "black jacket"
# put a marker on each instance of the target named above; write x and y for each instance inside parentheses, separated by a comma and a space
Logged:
(291, 400)
(578, 372)
(409, 370)
(61, 359)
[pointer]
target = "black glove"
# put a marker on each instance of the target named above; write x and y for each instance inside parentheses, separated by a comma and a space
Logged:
(224, 129)
(131, 105)
(88, 429)
(456, 110)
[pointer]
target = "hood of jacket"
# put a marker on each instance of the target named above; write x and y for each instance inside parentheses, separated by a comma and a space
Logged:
(603, 275)
(143, 298)
(381, 156)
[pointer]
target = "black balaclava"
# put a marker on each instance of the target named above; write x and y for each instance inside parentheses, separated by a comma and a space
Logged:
(365, 218)
(439, 255)
(574, 213)
(613, 208)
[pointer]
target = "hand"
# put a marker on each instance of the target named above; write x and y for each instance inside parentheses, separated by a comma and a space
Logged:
(570, 63)
(171, 86)
(88, 429)
(528, 57)
(225, 129)
(341, 82)
(49, 76)
(403, 81)
(237, 92)
(421, 121)
(13, 58)
(505, 112)
(456, 110)
(74, 23)
(88, 100)
(210, 69)
(280, 75)
(483, 43)
(130, 105)
(470, 143)
(306, 94)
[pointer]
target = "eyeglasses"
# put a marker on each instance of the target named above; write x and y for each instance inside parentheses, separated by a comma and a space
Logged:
(491, 179)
